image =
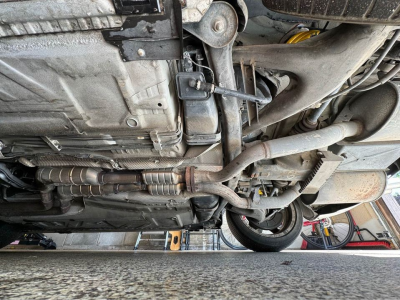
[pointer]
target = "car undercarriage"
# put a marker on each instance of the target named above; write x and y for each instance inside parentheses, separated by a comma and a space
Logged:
(120, 115)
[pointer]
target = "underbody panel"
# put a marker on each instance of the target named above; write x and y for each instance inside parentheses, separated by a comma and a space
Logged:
(85, 94)
(161, 115)
(102, 214)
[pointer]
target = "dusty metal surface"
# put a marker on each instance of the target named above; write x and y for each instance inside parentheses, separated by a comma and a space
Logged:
(43, 16)
(127, 7)
(290, 168)
(382, 124)
(367, 156)
(321, 172)
(40, 74)
(219, 59)
(126, 211)
(74, 99)
(151, 36)
(340, 51)
(278, 148)
(87, 91)
(194, 10)
(218, 27)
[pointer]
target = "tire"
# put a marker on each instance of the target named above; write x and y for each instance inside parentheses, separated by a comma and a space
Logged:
(259, 242)
(359, 11)
(229, 244)
(8, 234)
(226, 235)
(349, 236)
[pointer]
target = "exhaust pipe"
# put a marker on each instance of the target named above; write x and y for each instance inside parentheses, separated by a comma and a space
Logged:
(261, 203)
(211, 182)
(275, 148)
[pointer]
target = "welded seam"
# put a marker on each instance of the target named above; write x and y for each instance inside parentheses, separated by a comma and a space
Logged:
(267, 150)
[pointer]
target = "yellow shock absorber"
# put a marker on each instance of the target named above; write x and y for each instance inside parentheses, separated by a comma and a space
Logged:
(326, 231)
(302, 36)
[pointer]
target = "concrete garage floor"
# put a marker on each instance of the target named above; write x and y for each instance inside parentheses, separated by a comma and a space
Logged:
(200, 275)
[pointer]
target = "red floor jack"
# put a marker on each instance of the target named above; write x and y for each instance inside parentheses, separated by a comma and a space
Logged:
(362, 244)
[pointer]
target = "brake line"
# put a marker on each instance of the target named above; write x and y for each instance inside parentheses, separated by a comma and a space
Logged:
(370, 71)
(381, 81)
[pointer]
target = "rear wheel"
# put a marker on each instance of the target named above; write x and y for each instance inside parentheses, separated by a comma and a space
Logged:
(277, 232)
(8, 233)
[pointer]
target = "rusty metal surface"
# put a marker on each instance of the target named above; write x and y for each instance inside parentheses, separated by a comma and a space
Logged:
(352, 187)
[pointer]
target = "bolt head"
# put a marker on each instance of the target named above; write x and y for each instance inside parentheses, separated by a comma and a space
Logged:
(141, 53)
(219, 26)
